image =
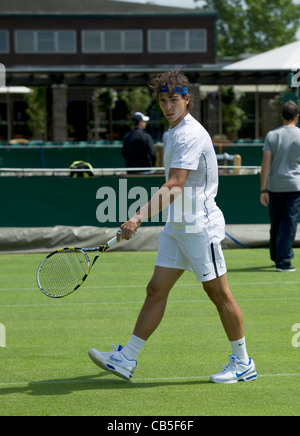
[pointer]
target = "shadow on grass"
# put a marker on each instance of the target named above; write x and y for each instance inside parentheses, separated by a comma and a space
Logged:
(87, 383)
(262, 268)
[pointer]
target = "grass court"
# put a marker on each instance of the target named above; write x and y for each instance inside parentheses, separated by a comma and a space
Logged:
(45, 369)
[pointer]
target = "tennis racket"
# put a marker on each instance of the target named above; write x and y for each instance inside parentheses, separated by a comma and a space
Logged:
(65, 270)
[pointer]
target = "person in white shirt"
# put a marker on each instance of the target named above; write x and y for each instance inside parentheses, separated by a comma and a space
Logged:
(190, 240)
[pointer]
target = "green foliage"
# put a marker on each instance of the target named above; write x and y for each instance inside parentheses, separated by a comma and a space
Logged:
(251, 26)
(107, 97)
(233, 114)
(136, 100)
(36, 111)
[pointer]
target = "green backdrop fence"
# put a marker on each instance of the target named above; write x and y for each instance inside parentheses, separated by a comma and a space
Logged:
(49, 201)
(15, 156)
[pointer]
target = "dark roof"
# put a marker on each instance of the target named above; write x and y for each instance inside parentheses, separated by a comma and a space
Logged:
(88, 7)
(134, 76)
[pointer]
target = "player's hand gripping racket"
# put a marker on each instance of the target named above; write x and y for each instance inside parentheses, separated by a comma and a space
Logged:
(65, 270)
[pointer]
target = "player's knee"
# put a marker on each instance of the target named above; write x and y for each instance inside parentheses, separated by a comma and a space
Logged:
(151, 289)
(154, 291)
(214, 297)
(217, 295)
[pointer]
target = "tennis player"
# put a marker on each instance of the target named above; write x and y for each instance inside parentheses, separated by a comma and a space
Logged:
(190, 240)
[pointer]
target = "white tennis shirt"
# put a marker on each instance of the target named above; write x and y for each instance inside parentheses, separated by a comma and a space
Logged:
(190, 147)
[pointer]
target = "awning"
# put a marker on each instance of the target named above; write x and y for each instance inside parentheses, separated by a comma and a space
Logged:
(284, 58)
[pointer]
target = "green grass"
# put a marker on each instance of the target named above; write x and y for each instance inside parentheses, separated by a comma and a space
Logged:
(45, 370)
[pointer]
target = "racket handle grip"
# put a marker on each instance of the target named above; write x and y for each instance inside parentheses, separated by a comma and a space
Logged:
(114, 240)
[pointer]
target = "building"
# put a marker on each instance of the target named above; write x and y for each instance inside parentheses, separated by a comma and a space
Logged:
(72, 47)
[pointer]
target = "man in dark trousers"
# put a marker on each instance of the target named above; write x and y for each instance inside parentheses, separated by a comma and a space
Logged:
(280, 186)
(138, 149)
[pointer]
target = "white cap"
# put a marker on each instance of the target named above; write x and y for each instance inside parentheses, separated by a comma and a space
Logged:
(138, 116)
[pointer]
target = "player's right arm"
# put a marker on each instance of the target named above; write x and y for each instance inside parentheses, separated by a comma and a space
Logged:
(160, 201)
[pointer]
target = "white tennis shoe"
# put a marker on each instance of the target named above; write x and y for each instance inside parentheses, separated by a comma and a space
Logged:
(114, 362)
(235, 371)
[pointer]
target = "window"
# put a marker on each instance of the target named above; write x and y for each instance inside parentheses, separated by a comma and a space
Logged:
(198, 40)
(92, 41)
(133, 41)
(45, 41)
(177, 40)
(66, 41)
(112, 41)
(157, 40)
(24, 42)
(4, 41)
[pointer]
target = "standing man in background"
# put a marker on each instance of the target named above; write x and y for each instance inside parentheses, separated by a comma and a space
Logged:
(280, 186)
(138, 149)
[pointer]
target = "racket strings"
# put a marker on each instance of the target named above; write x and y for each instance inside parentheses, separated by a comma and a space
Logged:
(62, 272)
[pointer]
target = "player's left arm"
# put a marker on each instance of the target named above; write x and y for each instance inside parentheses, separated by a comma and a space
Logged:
(160, 201)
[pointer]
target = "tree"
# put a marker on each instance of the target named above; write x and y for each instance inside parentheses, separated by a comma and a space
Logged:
(233, 114)
(251, 26)
(136, 100)
(106, 98)
(36, 111)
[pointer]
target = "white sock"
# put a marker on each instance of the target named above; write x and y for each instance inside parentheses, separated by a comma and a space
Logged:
(133, 347)
(239, 349)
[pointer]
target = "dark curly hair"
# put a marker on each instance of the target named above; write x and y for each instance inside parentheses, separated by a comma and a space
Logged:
(172, 79)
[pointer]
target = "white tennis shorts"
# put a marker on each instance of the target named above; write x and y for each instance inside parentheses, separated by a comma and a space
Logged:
(200, 252)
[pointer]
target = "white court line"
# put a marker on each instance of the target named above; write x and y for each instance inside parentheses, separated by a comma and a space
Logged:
(158, 379)
(177, 285)
(122, 303)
